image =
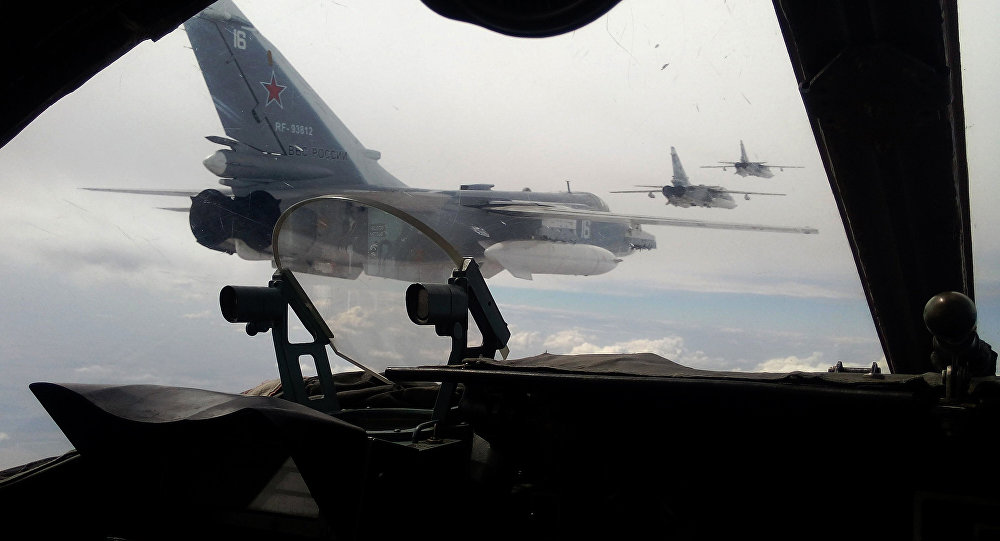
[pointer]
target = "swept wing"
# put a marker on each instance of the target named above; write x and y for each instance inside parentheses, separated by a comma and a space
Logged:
(651, 188)
(746, 164)
(728, 164)
(542, 210)
(136, 191)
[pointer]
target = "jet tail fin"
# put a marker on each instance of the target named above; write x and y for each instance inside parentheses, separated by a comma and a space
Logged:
(680, 178)
(743, 153)
(265, 105)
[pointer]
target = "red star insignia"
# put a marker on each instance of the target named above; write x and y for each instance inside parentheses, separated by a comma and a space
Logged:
(274, 91)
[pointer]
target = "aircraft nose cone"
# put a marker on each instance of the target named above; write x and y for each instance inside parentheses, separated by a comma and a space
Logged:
(216, 163)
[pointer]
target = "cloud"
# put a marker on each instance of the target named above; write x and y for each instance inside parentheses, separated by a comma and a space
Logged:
(308, 368)
(94, 369)
(378, 334)
(354, 319)
(792, 363)
(523, 340)
(579, 341)
(118, 374)
(675, 347)
(669, 347)
(812, 363)
(566, 341)
(386, 356)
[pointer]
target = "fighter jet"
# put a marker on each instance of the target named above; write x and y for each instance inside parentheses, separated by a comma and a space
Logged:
(685, 195)
(284, 144)
(747, 168)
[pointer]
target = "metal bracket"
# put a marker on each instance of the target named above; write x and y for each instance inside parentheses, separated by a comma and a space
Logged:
(266, 308)
(873, 372)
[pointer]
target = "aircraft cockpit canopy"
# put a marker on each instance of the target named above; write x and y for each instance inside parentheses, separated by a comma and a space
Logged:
(453, 105)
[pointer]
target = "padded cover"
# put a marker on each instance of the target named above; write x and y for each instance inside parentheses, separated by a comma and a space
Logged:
(163, 449)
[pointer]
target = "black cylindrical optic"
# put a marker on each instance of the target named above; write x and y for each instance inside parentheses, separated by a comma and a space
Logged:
(430, 304)
(245, 304)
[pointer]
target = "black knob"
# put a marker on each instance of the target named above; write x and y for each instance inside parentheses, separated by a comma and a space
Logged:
(950, 317)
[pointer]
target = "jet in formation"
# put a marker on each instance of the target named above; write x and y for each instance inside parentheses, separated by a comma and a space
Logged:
(747, 168)
(683, 194)
(283, 144)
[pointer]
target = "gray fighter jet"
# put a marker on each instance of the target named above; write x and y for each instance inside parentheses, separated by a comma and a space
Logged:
(283, 144)
(747, 168)
(683, 194)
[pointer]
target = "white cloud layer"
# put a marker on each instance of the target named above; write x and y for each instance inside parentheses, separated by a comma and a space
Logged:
(793, 363)
(577, 341)
(580, 341)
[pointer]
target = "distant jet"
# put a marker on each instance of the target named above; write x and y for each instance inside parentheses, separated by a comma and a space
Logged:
(683, 194)
(747, 168)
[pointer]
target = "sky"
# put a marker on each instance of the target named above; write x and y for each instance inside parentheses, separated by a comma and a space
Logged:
(110, 288)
